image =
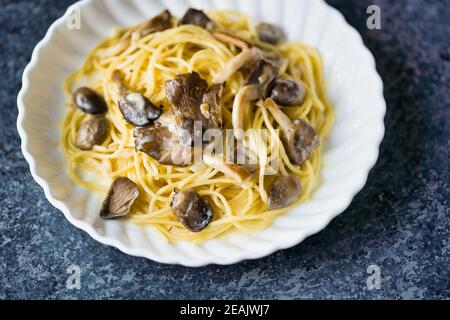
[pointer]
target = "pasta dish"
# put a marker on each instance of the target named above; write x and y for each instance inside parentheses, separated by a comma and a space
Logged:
(198, 126)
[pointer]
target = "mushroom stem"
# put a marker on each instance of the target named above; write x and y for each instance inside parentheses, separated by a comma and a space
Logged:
(240, 105)
(279, 116)
(236, 63)
(117, 81)
(255, 88)
(232, 39)
(234, 171)
(160, 22)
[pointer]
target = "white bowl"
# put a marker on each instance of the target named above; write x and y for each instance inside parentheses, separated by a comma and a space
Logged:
(354, 87)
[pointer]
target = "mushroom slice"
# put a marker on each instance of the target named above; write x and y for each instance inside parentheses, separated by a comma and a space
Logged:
(181, 129)
(120, 199)
(287, 92)
(211, 107)
(299, 137)
(235, 64)
(256, 87)
(192, 100)
(269, 33)
(262, 76)
(185, 93)
(236, 172)
(161, 22)
(284, 191)
(198, 18)
(162, 145)
(92, 132)
(194, 212)
(232, 39)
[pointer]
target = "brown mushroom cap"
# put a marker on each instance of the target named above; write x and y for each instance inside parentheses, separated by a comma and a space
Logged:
(270, 33)
(194, 212)
(135, 107)
(138, 110)
(287, 92)
(92, 132)
(89, 101)
(284, 191)
(120, 199)
(198, 18)
(301, 140)
(161, 22)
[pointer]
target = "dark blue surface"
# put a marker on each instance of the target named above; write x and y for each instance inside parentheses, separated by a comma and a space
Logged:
(400, 221)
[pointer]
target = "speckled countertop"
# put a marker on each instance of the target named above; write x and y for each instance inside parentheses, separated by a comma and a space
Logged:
(400, 221)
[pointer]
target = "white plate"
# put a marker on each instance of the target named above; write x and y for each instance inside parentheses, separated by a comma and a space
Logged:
(354, 87)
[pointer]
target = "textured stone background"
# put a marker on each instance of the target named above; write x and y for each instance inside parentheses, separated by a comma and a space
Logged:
(400, 220)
